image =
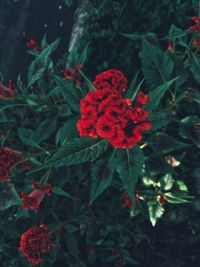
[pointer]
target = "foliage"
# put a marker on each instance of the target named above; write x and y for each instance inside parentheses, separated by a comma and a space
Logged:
(86, 213)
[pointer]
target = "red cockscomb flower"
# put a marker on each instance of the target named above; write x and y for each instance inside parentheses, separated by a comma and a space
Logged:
(105, 113)
(72, 74)
(34, 243)
(7, 93)
(32, 44)
(34, 199)
(127, 201)
(113, 79)
(7, 160)
(196, 42)
(4, 172)
(195, 27)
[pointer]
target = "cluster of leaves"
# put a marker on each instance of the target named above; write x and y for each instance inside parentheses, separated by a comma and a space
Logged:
(87, 174)
(107, 20)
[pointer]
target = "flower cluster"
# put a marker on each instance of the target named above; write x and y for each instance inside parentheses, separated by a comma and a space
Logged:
(7, 160)
(34, 199)
(72, 74)
(195, 27)
(106, 114)
(7, 93)
(112, 79)
(34, 243)
(32, 44)
(127, 201)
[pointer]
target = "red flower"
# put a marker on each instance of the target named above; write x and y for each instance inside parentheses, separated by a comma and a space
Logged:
(127, 201)
(105, 113)
(72, 74)
(195, 27)
(34, 243)
(105, 128)
(162, 199)
(196, 42)
(34, 199)
(170, 46)
(4, 171)
(7, 160)
(7, 93)
(86, 128)
(32, 44)
(113, 79)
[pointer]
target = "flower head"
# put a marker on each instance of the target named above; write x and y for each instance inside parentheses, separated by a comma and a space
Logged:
(7, 160)
(34, 199)
(32, 44)
(7, 93)
(113, 79)
(195, 27)
(72, 74)
(34, 243)
(105, 113)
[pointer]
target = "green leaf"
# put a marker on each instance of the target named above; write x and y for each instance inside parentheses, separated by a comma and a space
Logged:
(8, 196)
(42, 133)
(156, 94)
(102, 174)
(181, 186)
(163, 143)
(78, 151)
(177, 198)
(88, 82)
(157, 66)
(156, 210)
(167, 182)
(194, 63)
(131, 89)
(67, 132)
(27, 137)
(68, 92)
(60, 192)
(128, 164)
(84, 55)
(160, 119)
(45, 130)
(37, 67)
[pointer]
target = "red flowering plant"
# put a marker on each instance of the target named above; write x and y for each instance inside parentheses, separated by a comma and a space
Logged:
(104, 152)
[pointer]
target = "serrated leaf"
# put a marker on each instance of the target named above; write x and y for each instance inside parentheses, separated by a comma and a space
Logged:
(128, 164)
(78, 151)
(102, 174)
(156, 211)
(68, 92)
(45, 130)
(67, 132)
(38, 66)
(157, 66)
(60, 192)
(156, 94)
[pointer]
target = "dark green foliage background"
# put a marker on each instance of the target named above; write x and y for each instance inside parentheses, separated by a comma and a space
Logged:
(91, 233)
